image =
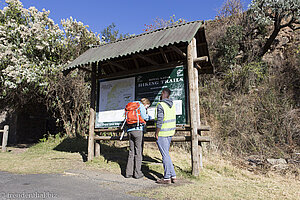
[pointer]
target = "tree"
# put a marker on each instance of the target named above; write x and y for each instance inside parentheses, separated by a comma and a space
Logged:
(162, 23)
(280, 13)
(230, 8)
(77, 39)
(33, 50)
(110, 34)
(29, 49)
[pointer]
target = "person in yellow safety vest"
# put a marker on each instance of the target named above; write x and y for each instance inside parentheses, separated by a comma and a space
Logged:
(165, 117)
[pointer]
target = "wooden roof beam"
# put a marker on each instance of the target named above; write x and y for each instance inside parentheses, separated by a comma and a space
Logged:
(164, 55)
(177, 50)
(147, 59)
(116, 65)
(113, 68)
(136, 63)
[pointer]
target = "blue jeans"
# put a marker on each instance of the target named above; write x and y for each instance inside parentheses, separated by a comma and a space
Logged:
(163, 144)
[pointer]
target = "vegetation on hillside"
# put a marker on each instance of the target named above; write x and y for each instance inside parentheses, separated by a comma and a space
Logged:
(253, 101)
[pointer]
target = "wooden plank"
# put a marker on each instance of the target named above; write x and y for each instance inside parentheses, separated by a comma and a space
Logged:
(177, 50)
(92, 114)
(153, 139)
(192, 107)
(5, 138)
(149, 60)
(116, 65)
(149, 128)
(204, 128)
(164, 55)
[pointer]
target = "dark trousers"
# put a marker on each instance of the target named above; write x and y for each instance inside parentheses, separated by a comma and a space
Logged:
(134, 162)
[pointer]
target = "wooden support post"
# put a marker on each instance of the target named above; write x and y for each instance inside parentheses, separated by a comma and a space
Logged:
(92, 114)
(192, 107)
(196, 79)
(4, 138)
(97, 148)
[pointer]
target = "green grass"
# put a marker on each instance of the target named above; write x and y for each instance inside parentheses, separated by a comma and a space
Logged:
(218, 180)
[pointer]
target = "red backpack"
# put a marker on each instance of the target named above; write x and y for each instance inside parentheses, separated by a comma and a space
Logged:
(133, 113)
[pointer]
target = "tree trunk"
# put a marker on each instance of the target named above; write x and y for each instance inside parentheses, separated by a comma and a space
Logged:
(269, 42)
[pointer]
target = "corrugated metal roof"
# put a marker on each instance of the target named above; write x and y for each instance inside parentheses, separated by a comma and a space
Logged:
(143, 42)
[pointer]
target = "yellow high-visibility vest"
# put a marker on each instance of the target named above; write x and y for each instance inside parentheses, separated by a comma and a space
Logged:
(169, 122)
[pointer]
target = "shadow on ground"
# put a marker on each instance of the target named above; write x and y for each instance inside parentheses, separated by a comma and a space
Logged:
(110, 153)
(119, 155)
(74, 145)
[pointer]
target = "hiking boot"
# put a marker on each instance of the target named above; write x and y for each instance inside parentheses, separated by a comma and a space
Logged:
(173, 180)
(138, 177)
(163, 181)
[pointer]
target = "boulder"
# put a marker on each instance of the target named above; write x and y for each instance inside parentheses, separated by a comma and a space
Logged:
(276, 161)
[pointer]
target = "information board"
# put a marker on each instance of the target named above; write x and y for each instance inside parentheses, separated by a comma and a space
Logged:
(114, 94)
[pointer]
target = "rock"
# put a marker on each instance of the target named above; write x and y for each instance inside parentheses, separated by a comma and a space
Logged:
(285, 40)
(280, 167)
(276, 161)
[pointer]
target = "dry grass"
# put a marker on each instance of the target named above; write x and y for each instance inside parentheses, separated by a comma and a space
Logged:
(41, 158)
(219, 179)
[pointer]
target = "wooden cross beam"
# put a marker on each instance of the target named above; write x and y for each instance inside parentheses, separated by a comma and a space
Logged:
(201, 59)
(113, 68)
(164, 55)
(177, 50)
(136, 63)
(147, 59)
(116, 65)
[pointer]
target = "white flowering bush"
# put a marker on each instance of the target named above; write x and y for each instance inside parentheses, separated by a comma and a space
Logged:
(28, 45)
(33, 50)
(33, 47)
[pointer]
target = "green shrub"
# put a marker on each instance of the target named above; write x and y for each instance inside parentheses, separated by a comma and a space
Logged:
(244, 78)
(228, 47)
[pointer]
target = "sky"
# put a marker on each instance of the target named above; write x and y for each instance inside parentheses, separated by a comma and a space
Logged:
(129, 16)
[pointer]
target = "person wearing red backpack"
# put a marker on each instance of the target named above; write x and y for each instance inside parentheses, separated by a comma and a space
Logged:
(135, 116)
